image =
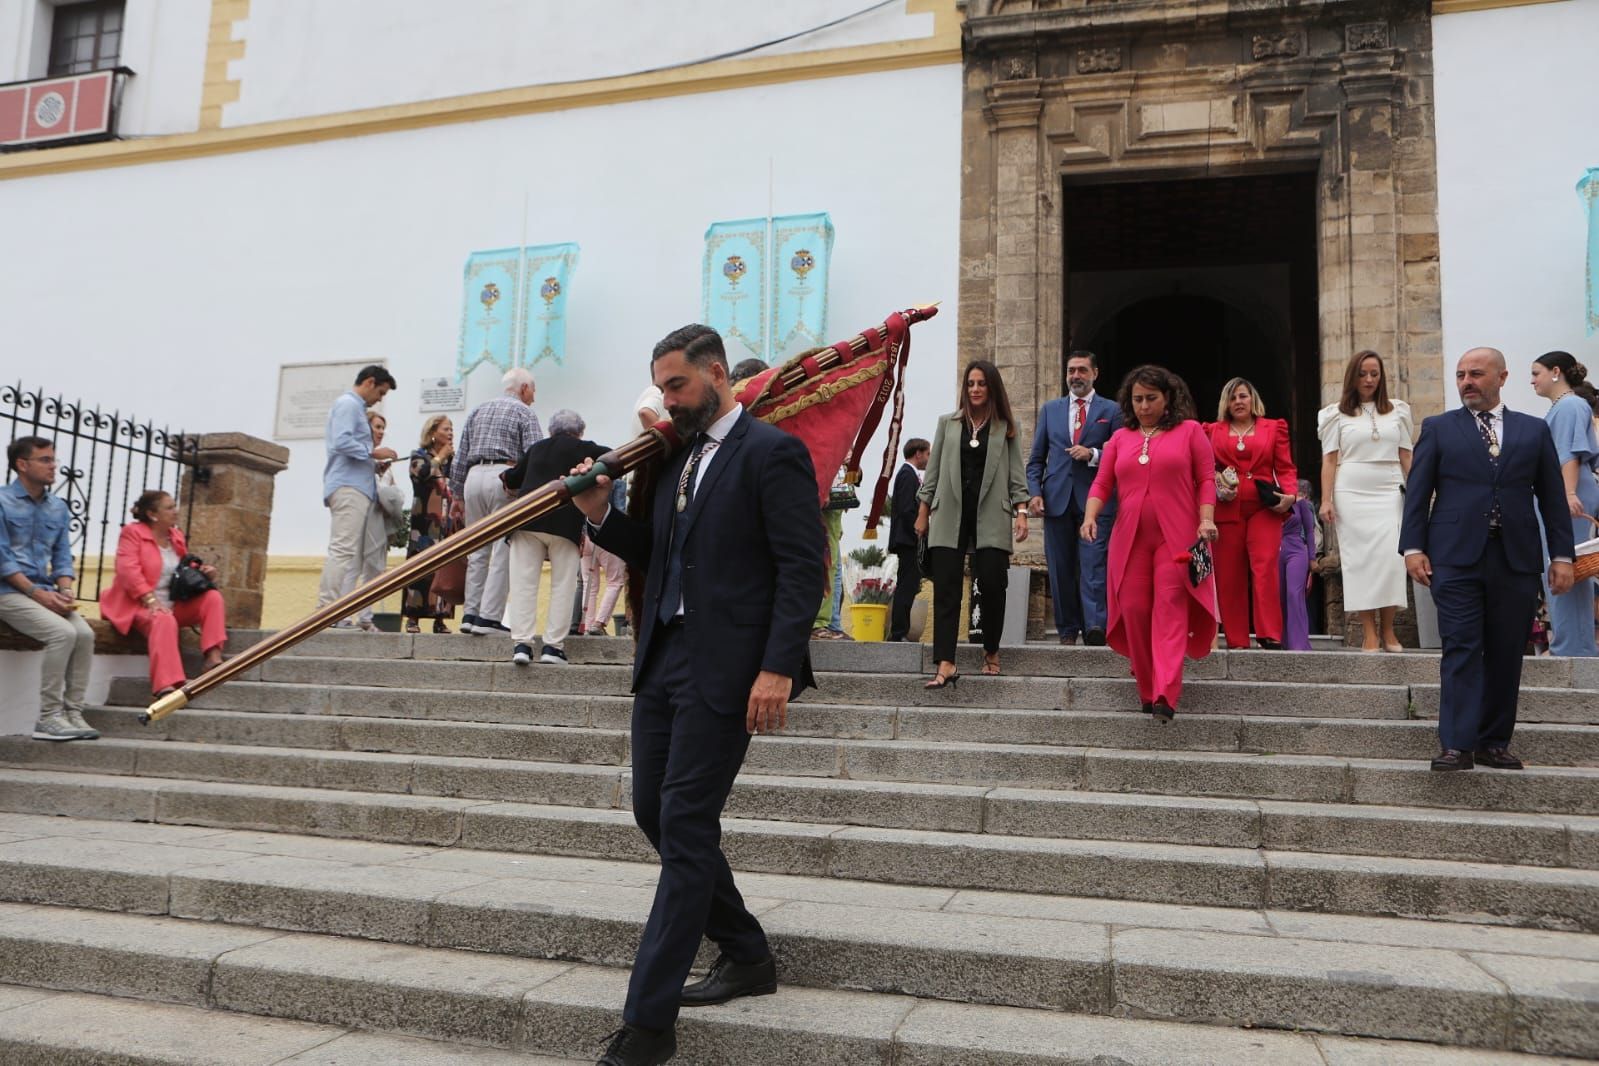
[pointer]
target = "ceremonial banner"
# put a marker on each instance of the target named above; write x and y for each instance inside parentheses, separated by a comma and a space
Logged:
(1588, 189)
(546, 277)
(489, 310)
(802, 246)
(734, 286)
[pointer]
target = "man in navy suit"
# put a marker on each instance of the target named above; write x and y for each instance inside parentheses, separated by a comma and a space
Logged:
(1067, 440)
(902, 535)
(733, 557)
(1479, 476)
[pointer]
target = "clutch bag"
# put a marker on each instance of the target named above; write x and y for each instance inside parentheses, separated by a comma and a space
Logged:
(1269, 496)
(1199, 563)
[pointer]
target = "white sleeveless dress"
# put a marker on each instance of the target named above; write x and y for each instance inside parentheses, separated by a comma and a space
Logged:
(1368, 500)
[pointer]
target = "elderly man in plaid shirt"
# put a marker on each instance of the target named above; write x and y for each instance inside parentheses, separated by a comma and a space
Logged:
(495, 436)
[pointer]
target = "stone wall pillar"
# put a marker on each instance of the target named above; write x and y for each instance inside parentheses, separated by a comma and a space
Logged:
(230, 489)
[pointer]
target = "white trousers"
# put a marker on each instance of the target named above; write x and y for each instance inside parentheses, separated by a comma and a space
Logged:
(348, 510)
(486, 567)
(374, 551)
(528, 553)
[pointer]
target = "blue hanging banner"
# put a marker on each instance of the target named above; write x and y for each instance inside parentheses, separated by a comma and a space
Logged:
(734, 286)
(802, 245)
(546, 277)
(1588, 189)
(489, 310)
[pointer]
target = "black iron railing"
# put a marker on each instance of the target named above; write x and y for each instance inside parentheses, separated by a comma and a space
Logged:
(105, 460)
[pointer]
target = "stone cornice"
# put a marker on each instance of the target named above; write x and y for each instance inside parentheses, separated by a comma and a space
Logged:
(1080, 20)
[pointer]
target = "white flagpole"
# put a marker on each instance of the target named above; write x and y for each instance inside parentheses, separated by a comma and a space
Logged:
(519, 333)
(771, 257)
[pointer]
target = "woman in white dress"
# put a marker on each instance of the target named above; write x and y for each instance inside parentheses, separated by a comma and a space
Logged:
(1365, 443)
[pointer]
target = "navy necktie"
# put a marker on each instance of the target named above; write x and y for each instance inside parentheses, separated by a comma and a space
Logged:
(1486, 425)
(672, 587)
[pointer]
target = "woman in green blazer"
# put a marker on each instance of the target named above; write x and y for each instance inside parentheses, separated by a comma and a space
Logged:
(973, 500)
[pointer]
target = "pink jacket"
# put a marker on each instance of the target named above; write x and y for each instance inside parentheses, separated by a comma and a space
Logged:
(138, 569)
(1177, 480)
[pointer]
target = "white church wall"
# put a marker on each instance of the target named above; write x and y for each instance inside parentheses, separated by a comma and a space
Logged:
(1516, 127)
(308, 57)
(176, 290)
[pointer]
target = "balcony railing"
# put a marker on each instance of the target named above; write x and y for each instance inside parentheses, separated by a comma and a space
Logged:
(72, 109)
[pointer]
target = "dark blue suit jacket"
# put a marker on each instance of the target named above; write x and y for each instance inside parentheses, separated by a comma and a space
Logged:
(1055, 475)
(902, 509)
(753, 562)
(1453, 485)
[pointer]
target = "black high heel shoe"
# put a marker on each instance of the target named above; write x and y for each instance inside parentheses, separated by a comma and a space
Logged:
(1163, 712)
(943, 681)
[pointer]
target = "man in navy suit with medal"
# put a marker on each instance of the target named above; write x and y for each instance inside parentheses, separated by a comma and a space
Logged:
(1479, 478)
(1067, 440)
(734, 561)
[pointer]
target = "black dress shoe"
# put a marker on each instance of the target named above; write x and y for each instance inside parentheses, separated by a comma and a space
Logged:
(1094, 638)
(1072, 639)
(1452, 759)
(1498, 759)
(730, 980)
(633, 1046)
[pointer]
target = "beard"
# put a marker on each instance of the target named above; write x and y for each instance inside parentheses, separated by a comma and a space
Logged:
(1079, 387)
(696, 419)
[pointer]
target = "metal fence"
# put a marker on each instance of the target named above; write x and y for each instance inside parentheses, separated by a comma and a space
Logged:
(106, 459)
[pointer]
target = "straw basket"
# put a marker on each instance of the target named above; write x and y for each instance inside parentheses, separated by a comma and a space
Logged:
(1587, 562)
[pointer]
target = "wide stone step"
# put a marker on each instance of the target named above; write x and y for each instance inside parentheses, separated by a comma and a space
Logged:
(1303, 778)
(38, 1026)
(297, 715)
(1323, 667)
(782, 1030)
(1410, 832)
(1152, 872)
(876, 940)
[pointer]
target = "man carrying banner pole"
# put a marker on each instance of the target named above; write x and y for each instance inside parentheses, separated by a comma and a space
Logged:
(734, 559)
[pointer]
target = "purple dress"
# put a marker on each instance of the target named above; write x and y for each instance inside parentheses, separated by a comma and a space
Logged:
(1299, 548)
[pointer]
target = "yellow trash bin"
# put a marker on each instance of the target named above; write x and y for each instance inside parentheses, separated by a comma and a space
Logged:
(869, 621)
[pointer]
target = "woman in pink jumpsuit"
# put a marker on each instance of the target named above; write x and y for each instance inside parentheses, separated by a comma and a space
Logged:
(1161, 470)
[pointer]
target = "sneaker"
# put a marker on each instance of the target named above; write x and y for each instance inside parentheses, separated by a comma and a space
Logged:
(74, 718)
(469, 623)
(552, 655)
(483, 628)
(522, 655)
(56, 726)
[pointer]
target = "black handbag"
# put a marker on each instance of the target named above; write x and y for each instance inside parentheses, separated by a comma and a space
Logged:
(1199, 563)
(1269, 496)
(922, 558)
(187, 580)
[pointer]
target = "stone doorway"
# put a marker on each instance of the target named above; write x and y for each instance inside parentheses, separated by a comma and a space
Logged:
(1212, 277)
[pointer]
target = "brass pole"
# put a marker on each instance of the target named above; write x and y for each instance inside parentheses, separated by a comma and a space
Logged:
(658, 441)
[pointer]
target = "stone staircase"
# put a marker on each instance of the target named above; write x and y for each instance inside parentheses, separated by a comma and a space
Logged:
(384, 849)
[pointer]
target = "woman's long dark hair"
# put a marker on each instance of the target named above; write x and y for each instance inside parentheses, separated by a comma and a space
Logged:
(1349, 402)
(998, 402)
(1179, 402)
(1576, 375)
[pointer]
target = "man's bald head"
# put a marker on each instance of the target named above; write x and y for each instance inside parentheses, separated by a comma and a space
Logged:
(1479, 376)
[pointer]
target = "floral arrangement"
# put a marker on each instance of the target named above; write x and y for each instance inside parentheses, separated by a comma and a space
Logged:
(869, 575)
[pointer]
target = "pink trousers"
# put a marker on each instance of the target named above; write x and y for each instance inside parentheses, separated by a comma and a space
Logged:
(160, 631)
(1154, 612)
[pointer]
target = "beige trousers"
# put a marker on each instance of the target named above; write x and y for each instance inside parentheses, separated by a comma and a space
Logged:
(68, 650)
(348, 509)
(528, 553)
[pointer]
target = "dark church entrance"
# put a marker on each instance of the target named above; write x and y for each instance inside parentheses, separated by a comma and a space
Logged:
(1211, 277)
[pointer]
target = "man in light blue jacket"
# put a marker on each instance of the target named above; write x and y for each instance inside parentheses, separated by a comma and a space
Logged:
(349, 481)
(1067, 440)
(36, 580)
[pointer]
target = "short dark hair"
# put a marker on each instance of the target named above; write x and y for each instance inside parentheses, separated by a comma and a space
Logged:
(24, 447)
(1179, 401)
(916, 446)
(748, 368)
(1083, 353)
(378, 374)
(682, 338)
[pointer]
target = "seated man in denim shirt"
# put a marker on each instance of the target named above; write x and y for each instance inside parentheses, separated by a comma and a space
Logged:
(36, 579)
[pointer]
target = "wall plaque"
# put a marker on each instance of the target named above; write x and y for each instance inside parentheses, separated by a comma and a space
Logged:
(305, 393)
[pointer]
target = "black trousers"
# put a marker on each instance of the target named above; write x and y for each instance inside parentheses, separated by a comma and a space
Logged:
(685, 756)
(908, 585)
(989, 567)
(1484, 615)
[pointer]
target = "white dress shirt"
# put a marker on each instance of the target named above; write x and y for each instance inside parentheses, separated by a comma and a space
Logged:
(1088, 402)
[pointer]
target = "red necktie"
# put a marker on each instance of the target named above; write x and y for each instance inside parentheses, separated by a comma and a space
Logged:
(1082, 419)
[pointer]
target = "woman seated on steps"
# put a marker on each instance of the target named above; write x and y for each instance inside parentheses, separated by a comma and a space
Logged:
(140, 597)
